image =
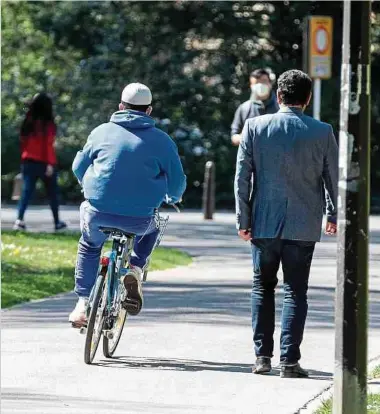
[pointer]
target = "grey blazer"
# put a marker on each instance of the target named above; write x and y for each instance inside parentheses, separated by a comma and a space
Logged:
(292, 159)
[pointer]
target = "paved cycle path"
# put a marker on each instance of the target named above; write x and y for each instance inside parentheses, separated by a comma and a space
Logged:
(190, 349)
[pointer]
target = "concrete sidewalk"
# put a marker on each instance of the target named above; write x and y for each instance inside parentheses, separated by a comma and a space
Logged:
(190, 350)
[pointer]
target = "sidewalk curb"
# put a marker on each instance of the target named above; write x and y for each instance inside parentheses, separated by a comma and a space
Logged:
(31, 302)
(312, 405)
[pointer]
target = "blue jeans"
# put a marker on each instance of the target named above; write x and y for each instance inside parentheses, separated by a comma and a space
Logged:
(31, 172)
(295, 257)
(92, 240)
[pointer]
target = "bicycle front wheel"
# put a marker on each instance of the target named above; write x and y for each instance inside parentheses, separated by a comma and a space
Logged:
(110, 343)
(96, 319)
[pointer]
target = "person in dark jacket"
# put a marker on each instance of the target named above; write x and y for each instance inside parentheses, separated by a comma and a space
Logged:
(263, 101)
(38, 159)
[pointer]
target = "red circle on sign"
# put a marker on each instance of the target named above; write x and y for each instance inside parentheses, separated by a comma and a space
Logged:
(321, 40)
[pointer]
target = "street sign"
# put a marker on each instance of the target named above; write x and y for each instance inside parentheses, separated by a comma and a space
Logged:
(320, 46)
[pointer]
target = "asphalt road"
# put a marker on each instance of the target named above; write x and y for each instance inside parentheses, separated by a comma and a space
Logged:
(190, 350)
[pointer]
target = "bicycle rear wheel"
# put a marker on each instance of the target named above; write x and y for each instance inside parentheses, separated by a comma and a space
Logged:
(110, 344)
(96, 319)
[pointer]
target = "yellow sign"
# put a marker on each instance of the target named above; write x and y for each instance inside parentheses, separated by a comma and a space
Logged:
(320, 46)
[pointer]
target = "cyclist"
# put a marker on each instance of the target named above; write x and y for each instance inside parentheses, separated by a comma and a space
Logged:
(127, 168)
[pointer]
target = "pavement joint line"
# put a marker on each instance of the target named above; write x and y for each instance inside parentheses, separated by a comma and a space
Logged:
(314, 403)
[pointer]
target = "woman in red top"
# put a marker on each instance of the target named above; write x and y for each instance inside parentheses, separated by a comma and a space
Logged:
(38, 158)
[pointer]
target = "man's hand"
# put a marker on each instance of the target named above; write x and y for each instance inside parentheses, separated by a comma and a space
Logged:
(245, 235)
(236, 139)
(331, 229)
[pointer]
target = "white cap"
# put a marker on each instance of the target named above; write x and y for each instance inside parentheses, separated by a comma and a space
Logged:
(136, 94)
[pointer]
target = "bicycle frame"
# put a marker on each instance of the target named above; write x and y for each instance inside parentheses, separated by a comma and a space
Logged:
(114, 299)
(121, 248)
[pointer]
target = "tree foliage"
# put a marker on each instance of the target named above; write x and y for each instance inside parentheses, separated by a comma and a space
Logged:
(195, 55)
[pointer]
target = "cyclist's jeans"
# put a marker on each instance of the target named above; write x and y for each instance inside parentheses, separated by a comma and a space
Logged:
(92, 240)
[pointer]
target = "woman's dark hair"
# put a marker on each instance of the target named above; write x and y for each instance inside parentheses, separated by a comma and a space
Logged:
(140, 108)
(40, 111)
(294, 87)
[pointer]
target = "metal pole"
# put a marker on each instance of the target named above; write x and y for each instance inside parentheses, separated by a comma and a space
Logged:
(317, 88)
(351, 315)
(209, 191)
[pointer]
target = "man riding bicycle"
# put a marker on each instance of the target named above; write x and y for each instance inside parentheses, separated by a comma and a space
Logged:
(127, 168)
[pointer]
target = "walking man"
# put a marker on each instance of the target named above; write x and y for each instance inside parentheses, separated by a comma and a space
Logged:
(291, 157)
(263, 101)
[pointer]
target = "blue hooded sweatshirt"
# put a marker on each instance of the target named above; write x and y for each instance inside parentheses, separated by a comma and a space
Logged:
(129, 167)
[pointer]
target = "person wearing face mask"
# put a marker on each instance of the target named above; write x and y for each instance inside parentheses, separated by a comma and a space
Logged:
(262, 101)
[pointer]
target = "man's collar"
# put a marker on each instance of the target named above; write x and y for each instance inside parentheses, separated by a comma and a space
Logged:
(291, 109)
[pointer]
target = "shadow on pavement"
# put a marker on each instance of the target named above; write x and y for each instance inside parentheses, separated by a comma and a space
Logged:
(200, 303)
(173, 364)
(193, 365)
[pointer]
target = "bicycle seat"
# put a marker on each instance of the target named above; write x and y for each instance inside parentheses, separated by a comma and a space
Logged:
(115, 232)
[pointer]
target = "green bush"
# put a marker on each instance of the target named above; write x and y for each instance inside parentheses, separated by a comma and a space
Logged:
(195, 56)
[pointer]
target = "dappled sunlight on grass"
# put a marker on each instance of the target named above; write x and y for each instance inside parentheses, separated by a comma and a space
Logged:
(35, 265)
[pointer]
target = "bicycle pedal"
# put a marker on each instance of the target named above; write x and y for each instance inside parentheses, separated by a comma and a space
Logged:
(132, 306)
(131, 302)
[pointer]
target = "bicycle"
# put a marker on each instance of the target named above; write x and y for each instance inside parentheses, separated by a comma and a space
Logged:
(106, 312)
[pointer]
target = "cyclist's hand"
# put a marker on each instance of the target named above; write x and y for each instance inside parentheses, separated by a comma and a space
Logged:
(169, 200)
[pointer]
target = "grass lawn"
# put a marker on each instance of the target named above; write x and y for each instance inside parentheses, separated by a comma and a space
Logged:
(373, 405)
(376, 372)
(35, 265)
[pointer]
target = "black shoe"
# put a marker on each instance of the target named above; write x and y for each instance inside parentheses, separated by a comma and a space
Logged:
(61, 225)
(293, 371)
(262, 366)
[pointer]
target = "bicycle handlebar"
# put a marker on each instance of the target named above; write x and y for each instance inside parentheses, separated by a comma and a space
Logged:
(174, 205)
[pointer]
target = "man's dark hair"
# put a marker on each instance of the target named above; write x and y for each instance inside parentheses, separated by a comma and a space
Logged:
(294, 87)
(258, 73)
(140, 108)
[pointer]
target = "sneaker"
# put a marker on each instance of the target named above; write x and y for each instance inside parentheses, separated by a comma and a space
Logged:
(132, 283)
(19, 225)
(262, 365)
(78, 316)
(293, 371)
(61, 225)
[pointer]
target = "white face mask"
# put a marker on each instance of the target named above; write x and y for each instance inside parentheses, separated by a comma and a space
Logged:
(260, 90)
